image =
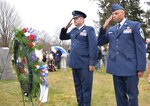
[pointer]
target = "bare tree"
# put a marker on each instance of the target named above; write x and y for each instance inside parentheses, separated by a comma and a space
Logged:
(51, 40)
(56, 41)
(45, 40)
(9, 19)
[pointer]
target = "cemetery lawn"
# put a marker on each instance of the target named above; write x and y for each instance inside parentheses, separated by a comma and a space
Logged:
(62, 93)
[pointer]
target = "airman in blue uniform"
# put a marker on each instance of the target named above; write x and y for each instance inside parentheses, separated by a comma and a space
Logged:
(126, 55)
(82, 57)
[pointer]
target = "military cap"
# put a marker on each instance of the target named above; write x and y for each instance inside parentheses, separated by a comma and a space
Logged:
(77, 13)
(116, 7)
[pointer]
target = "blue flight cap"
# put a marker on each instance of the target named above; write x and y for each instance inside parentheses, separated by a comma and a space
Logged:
(77, 13)
(116, 7)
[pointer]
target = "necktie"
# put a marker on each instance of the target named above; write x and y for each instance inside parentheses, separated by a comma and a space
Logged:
(118, 26)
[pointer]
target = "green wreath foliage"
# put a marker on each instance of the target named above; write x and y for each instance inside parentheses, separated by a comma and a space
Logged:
(25, 62)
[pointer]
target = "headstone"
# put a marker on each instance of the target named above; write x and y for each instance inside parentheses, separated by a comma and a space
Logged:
(6, 69)
(64, 62)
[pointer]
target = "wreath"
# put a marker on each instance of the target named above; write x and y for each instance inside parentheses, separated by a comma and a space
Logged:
(26, 62)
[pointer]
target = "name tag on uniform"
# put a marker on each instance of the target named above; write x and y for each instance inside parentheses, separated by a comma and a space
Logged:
(128, 30)
(83, 33)
(110, 32)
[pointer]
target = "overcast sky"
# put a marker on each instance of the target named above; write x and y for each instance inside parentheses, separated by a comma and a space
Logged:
(50, 15)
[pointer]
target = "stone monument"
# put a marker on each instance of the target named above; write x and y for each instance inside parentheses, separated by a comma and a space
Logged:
(6, 69)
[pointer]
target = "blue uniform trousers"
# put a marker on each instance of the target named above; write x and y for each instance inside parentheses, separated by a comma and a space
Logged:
(58, 64)
(83, 79)
(126, 90)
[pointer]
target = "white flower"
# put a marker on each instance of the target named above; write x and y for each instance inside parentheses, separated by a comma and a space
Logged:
(27, 34)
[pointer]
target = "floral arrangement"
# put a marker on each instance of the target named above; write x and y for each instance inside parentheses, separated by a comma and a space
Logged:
(26, 63)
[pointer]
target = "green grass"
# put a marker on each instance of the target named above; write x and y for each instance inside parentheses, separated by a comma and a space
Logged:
(62, 93)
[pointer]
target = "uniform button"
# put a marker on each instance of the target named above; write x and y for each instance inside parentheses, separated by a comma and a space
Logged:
(116, 45)
(117, 52)
(116, 39)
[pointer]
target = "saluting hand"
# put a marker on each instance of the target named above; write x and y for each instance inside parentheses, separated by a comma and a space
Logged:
(106, 24)
(91, 68)
(69, 24)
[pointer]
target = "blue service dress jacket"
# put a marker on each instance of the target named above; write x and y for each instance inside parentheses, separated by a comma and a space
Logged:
(127, 48)
(83, 50)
